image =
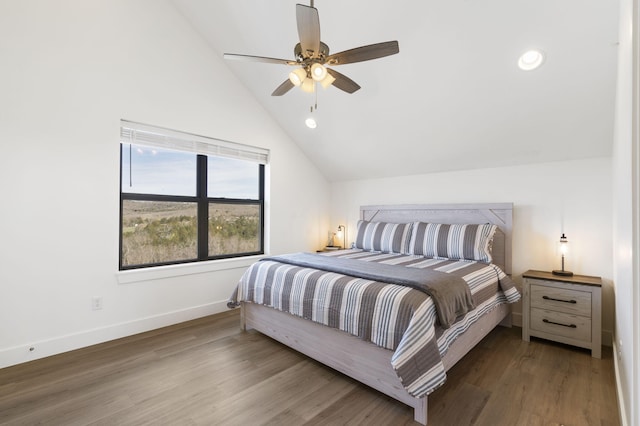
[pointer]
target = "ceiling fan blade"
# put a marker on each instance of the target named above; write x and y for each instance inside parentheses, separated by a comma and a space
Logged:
(343, 82)
(364, 53)
(250, 58)
(283, 88)
(308, 29)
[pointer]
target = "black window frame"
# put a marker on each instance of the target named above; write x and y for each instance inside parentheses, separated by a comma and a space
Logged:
(203, 202)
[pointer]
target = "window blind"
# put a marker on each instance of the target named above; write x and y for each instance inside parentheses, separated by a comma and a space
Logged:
(144, 134)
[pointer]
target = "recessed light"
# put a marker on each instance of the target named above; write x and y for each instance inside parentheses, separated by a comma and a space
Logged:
(531, 60)
(311, 123)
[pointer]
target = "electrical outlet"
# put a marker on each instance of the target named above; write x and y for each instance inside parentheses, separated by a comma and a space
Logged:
(96, 303)
(620, 350)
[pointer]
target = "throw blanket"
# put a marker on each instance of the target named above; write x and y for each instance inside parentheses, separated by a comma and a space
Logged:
(451, 294)
(391, 316)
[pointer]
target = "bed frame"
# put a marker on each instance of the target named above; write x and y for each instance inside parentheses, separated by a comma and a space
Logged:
(363, 361)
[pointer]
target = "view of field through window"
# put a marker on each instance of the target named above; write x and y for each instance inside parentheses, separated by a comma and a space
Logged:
(157, 232)
(161, 206)
(233, 228)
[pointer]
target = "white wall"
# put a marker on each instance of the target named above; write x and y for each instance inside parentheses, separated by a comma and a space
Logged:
(571, 196)
(626, 249)
(70, 71)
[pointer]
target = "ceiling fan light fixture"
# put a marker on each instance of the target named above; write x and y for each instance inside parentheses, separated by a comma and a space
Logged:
(312, 56)
(308, 85)
(298, 76)
(530, 60)
(327, 81)
(318, 71)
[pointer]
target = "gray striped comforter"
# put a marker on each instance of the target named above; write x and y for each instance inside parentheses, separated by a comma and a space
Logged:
(391, 316)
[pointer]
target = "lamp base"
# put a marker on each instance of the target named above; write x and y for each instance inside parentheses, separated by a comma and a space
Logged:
(562, 273)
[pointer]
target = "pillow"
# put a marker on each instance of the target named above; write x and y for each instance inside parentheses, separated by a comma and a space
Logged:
(458, 241)
(383, 236)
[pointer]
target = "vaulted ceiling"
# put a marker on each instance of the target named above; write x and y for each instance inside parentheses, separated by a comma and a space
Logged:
(452, 99)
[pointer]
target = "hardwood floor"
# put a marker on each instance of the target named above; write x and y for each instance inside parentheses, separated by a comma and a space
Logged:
(208, 372)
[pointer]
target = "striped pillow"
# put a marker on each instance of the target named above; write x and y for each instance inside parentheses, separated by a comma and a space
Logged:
(459, 241)
(384, 237)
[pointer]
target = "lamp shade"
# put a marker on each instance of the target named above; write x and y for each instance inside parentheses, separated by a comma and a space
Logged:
(308, 85)
(342, 235)
(298, 76)
(563, 245)
(327, 81)
(318, 72)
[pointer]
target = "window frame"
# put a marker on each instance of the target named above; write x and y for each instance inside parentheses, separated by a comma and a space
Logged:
(203, 201)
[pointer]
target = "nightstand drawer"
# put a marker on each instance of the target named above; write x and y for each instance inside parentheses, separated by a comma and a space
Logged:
(561, 324)
(560, 299)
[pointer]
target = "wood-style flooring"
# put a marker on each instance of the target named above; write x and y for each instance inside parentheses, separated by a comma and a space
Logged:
(208, 372)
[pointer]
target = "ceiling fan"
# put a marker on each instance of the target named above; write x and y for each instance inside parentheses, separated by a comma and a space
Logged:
(312, 57)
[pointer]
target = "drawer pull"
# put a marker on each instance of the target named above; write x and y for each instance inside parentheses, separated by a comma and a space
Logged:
(557, 323)
(559, 300)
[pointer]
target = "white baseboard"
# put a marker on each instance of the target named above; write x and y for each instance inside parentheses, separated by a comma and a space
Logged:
(621, 407)
(57, 345)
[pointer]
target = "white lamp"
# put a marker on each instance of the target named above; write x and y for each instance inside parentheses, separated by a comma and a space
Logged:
(342, 234)
(563, 248)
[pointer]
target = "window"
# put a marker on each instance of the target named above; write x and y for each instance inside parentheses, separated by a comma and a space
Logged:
(186, 198)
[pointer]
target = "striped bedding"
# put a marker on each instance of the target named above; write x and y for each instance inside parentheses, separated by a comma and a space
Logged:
(391, 316)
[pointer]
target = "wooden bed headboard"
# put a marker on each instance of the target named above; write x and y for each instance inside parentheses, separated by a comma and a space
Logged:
(500, 214)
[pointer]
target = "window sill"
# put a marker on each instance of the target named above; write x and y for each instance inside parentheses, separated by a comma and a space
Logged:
(169, 271)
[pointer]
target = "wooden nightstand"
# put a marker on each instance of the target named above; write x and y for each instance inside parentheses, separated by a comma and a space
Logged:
(563, 309)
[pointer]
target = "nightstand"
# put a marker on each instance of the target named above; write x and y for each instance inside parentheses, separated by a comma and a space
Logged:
(563, 309)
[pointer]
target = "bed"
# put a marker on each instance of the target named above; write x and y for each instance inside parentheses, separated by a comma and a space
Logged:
(406, 365)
